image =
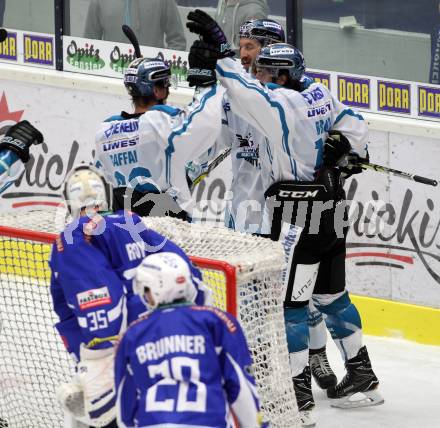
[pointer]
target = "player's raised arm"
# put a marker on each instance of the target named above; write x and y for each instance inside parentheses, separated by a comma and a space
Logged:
(251, 100)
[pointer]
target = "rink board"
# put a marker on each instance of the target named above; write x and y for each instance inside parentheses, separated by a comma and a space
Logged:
(399, 320)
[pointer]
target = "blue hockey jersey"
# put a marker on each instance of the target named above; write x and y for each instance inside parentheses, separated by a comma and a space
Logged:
(92, 264)
(185, 366)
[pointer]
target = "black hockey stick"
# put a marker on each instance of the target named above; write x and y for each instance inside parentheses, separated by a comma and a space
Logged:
(210, 167)
(133, 40)
(397, 173)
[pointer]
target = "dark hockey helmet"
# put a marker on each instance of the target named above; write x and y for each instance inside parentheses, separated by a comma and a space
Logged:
(282, 56)
(143, 73)
(266, 31)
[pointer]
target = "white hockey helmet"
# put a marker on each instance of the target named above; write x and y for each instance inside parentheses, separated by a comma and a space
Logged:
(86, 187)
(168, 278)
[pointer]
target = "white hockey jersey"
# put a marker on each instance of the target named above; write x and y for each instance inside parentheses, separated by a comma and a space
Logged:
(246, 142)
(148, 152)
(296, 123)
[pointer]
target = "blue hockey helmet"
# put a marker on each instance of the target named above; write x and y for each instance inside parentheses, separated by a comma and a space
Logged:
(266, 31)
(282, 56)
(143, 73)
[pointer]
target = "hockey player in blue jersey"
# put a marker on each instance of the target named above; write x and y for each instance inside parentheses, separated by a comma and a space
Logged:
(182, 365)
(14, 151)
(299, 126)
(92, 263)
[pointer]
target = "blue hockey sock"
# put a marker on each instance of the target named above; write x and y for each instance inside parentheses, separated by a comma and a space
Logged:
(297, 332)
(343, 321)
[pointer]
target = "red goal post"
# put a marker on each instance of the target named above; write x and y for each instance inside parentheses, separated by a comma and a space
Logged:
(243, 271)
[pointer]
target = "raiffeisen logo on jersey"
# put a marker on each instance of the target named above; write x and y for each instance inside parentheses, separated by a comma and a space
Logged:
(354, 91)
(122, 127)
(282, 51)
(84, 58)
(394, 97)
(119, 61)
(269, 24)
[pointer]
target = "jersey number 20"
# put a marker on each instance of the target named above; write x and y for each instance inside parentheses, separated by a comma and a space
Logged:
(172, 374)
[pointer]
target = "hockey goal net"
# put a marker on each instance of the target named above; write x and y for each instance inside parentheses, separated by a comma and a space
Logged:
(243, 271)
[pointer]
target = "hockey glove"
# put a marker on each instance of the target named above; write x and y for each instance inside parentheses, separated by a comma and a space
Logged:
(202, 60)
(19, 138)
(201, 23)
(335, 148)
(350, 164)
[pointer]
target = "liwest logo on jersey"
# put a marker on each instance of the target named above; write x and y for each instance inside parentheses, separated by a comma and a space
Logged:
(120, 61)
(38, 49)
(93, 298)
(316, 111)
(8, 48)
(354, 91)
(323, 78)
(429, 101)
(119, 144)
(394, 97)
(86, 58)
(123, 126)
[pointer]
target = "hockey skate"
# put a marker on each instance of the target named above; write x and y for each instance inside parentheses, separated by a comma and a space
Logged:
(302, 385)
(321, 370)
(359, 386)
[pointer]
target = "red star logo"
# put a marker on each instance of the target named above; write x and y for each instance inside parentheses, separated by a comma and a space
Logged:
(5, 114)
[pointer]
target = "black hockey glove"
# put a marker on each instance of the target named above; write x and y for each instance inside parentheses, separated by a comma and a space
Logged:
(19, 138)
(335, 148)
(350, 164)
(202, 24)
(202, 60)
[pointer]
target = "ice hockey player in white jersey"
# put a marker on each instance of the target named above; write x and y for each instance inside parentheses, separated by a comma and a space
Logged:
(143, 154)
(14, 151)
(182, 365)
(93, 263)
(299, 124)
(244, 210)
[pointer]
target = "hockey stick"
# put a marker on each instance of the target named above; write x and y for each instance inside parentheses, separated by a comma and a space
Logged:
(133, 40)
(397, 173)
(210, 167)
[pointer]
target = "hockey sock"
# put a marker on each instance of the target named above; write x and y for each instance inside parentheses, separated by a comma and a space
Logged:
(297, 332)
(317, 328)
(343, 321)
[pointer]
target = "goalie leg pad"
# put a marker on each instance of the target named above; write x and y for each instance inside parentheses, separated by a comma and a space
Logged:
(343, 321)
(96, 378)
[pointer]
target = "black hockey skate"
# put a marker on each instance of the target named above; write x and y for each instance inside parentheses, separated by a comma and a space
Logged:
(359, 386)
(302, 385)
(320, 368)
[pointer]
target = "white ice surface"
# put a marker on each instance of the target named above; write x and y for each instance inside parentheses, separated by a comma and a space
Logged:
(409, 376)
